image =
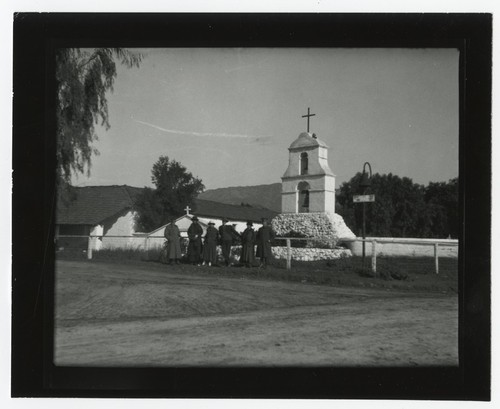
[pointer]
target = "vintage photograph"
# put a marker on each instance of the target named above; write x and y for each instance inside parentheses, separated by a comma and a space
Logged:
(257, 207)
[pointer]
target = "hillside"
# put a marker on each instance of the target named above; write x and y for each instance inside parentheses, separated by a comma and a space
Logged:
(268, 196)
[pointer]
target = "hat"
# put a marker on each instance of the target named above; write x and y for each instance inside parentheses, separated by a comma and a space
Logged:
(224, 220)
(194, 219)
(249, 223)
(212, 223)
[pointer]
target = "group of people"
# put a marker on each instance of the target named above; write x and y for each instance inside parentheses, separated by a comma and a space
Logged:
(202, 250)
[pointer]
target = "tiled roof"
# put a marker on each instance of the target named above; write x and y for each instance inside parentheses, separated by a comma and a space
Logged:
(209, 208)
(93, 204)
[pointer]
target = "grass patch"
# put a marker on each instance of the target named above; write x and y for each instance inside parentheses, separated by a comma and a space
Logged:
(401, 273)
(110, 254)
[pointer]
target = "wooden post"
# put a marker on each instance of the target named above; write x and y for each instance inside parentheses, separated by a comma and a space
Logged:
(89, 248)
(374, 257)
(288, 255)
(436, 257)
(146, 246)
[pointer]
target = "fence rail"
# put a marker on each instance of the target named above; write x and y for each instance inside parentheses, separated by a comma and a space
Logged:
(435, 243)
(425, 242)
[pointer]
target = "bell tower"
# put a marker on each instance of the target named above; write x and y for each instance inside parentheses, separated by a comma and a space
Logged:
(308, 185)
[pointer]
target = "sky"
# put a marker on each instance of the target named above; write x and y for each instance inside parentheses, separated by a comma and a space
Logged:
(230, 114)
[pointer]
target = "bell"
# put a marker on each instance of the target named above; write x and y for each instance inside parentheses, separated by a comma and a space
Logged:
(365, 182)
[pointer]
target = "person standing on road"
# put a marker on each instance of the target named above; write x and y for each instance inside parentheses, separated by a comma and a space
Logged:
(264, 237)
(210, 245)
(247, 246)
(195, 232)
(172, 235)
(227, 235)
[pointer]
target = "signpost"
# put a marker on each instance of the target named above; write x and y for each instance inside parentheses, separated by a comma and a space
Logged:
(363, 198)
(364, 184)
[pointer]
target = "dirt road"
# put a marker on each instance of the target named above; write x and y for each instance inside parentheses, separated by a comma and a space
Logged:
(143, 315)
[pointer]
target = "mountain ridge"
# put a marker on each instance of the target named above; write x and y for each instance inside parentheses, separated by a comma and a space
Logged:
(267, 195)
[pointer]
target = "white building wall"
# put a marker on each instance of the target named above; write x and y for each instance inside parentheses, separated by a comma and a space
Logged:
(156, 237)
(321, 193)
(123, 226)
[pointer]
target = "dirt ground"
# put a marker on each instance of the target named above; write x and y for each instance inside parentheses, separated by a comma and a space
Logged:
(110, 314)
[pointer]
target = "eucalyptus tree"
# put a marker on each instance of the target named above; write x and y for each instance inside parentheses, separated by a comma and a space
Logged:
(83, 77)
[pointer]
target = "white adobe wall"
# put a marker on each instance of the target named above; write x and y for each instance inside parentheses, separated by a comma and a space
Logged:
(184, 223)
(321, 193)
(124, 225)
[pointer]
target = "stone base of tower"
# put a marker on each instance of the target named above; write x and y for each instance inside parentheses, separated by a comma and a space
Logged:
(322, 225)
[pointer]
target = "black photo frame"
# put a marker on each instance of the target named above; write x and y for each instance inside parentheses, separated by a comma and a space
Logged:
(35, 38)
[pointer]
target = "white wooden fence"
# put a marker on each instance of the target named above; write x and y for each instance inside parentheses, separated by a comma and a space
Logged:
(147, 243)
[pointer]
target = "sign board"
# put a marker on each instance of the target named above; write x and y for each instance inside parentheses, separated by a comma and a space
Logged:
(363, 198)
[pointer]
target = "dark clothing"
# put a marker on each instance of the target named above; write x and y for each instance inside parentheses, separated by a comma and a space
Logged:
(195, 232)
(227, 236)
(210, 245)
(264, 237)
(173, 235)
(247, 246)
(226, 251)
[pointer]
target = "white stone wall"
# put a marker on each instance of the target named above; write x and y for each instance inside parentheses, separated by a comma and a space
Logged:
(324, 225)
(300, 254)
(310, 254)
(289, 201)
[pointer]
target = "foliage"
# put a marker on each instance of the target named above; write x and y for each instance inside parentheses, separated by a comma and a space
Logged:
(149, 210)
(401, 208)
(442, 199)
(83, 77)
(175, 189)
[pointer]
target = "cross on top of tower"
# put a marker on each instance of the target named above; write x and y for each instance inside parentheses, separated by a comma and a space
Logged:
(308, 116)
(187, 209)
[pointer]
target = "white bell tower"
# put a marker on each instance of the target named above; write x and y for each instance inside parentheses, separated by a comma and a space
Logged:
(308, 185)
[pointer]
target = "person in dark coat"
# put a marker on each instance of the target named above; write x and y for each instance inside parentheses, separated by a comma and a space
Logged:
(227, 235)
(195, 232)
(172, 235)
(210, 245)
(247, 245)
(263, 239)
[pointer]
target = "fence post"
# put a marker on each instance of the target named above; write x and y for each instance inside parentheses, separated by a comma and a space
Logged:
(89, 248)
(146, 245)
(288, 255)
(374, 257)
(436, 257)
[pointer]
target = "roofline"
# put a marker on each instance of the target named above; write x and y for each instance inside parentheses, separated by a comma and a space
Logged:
(165, 225)
(100, 221)
(235, 205)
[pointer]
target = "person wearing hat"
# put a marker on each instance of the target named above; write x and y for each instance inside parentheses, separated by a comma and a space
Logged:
(247, 245)
(227, 235)
(172, 235)
(210, 245)
(195, 232)
(264, 236)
